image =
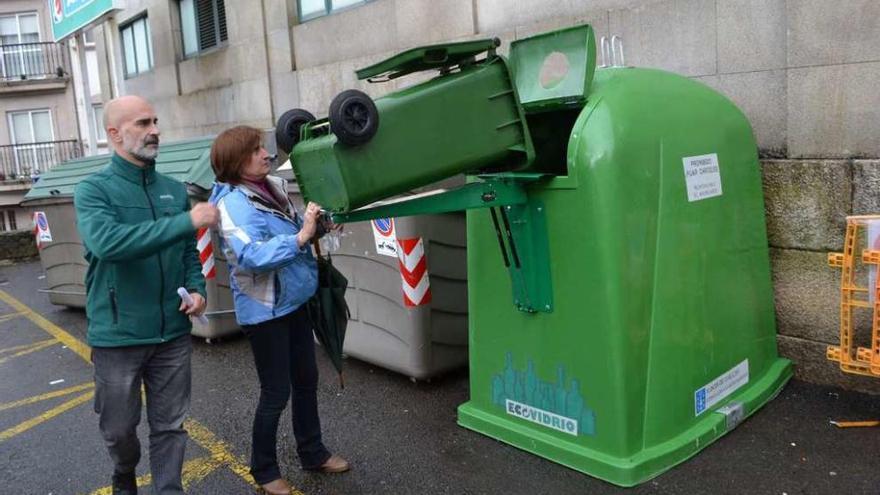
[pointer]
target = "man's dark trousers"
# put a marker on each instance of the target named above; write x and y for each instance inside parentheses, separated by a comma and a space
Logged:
(164, 369)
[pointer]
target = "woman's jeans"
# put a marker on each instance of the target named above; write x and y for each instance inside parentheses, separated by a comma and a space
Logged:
(284, 353)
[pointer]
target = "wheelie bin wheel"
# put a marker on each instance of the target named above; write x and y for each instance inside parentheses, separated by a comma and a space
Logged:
(353, 116)
(287, 129)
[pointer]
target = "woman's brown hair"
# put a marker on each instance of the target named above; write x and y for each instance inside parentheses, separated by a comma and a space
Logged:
(231, 151)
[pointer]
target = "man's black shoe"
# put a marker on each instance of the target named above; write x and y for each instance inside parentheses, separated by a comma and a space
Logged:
(124, 484)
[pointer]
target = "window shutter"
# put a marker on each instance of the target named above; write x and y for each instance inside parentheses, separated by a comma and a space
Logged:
(221, 19)
(207, 27)
(211, 20)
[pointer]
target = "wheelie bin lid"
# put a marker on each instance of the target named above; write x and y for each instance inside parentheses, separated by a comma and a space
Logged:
(554, 70)
(188, 161)
(426, 58)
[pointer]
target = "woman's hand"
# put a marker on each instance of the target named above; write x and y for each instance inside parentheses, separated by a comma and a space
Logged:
(310, 222)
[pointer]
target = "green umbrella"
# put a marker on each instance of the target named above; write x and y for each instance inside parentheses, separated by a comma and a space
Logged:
(328, 310)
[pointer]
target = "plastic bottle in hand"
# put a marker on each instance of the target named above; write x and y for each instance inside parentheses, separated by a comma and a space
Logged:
(189, 302)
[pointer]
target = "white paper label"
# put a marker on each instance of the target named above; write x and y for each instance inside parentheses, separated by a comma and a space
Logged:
(385, 237)
(719, 388)
(703, 177)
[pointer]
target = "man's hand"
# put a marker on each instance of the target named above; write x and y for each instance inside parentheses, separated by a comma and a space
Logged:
(204, 215)
(198, 306)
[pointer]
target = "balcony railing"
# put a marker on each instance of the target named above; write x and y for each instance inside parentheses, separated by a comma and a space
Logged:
(27, 161)
(24, 61)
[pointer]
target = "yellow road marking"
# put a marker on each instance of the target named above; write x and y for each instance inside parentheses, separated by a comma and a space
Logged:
(24, 346)
(219, 450)
(50, 395)
(46, 416)
(54, 330)
(33, 348)
(196, 470)
(9, 316)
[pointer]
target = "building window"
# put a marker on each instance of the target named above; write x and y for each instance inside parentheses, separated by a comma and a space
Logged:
(19, 28)
(32, 134)
(136, 47)
(89, 37)
(309, 9)
(100, 132)
(10, 214)
(19, 34)
(31, 126)
(202, 24)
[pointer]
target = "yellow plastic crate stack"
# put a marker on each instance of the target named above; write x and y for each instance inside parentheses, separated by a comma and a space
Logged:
(854, 359)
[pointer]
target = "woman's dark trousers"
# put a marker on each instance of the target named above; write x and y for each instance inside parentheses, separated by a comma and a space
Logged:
(284, 353)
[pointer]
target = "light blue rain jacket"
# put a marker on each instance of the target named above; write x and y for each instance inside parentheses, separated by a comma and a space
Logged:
(269, 274)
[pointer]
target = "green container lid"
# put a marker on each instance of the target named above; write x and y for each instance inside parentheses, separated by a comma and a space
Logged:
(554, 70)
(426, 58)
(187, 161)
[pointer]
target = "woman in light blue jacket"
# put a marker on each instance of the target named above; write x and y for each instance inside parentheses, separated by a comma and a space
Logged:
(272, 274)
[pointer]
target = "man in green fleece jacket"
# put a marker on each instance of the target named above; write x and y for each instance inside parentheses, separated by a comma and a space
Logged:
(139, 236)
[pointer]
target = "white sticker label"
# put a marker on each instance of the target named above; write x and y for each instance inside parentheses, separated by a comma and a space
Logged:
(719, 388)
(41, 227)
(542, 417)
(703, 176)
(385, 237)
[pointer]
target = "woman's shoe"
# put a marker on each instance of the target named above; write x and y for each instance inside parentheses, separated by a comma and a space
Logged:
(335, 464)
(277, 487)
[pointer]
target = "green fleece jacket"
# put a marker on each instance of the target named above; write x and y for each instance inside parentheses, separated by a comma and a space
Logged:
(140, 245)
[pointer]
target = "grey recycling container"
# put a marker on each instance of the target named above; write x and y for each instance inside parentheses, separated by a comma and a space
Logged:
(417, 341)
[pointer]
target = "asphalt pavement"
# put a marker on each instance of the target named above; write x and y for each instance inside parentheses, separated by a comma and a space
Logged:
(401, 437)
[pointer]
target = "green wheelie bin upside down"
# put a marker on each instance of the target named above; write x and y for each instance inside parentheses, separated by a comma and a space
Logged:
(620, 303)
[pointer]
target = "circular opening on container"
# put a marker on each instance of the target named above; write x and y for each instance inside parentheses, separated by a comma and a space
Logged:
(553, 70)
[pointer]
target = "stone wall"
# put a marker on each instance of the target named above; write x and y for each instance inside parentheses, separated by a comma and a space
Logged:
(804, 82)
(197, 95)
(17, 245)
(807, 202)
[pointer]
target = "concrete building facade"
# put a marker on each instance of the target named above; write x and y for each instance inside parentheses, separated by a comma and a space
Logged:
(803, 71)
(38, 121)
(42, 102)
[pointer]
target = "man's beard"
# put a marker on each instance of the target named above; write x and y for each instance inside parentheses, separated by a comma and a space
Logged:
(141, 151)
